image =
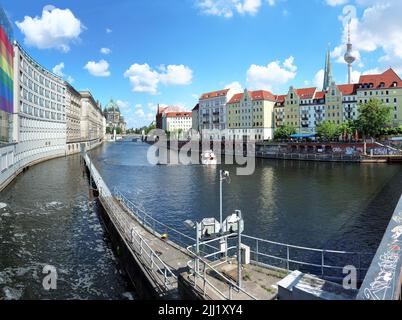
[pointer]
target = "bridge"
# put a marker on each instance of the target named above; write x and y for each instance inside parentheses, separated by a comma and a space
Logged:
(170, 269)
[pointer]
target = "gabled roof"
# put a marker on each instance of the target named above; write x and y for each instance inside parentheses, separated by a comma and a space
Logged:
(347, 89)
(262, 95)
(215, 94)
(236, 98)
(280, 98)
(306, 93)
(319, 95)
(387, 78)
(255, 96)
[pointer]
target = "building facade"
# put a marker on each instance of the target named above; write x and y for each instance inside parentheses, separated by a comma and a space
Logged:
(114, 119)
(212, 114)
(73, 117)
(177, 122)
(251, 115)
(92, 120)
(195, 118)
(162, 110)
(40, 104)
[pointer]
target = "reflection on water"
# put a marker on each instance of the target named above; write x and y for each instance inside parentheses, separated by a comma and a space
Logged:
(322, 205)
(49, 220)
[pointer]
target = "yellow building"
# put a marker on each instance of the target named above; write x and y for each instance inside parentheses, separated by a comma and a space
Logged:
(251, 114)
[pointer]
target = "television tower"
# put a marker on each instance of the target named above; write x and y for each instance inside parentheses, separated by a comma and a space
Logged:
(349, 57)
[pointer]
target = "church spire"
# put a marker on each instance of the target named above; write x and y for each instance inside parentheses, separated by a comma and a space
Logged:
(328, 78)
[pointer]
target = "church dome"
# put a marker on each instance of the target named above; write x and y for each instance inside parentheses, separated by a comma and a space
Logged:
(112, 107)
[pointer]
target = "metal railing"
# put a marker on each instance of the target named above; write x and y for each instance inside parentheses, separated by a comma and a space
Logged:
(328, 264)
(301, 156)
(199, 272)
(153, 261)
(149, 258)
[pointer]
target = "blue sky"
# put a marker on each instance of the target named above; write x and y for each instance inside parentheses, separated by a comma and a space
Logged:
(171, 51)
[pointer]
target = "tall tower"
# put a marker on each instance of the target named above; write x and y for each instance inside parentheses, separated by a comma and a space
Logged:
(328, 72)
(349, 57)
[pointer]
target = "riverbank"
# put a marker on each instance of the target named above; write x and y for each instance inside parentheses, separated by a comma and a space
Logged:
(10, 169)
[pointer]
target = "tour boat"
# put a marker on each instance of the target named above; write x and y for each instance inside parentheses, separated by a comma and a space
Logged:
(209, 158)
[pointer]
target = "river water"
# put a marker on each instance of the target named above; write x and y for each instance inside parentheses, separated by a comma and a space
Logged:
(50, 219)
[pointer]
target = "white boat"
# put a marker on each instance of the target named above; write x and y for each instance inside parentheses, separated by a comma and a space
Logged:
(209, 158)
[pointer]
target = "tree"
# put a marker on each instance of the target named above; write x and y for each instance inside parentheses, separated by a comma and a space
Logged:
(284, 132)
(328, 130)
(374, 116)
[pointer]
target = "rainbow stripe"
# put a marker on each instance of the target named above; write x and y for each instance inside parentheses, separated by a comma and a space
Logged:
(6, 72)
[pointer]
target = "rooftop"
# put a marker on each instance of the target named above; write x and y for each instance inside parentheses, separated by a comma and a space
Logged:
(214, 94)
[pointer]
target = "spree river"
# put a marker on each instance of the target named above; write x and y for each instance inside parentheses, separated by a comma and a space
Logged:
(51, 220)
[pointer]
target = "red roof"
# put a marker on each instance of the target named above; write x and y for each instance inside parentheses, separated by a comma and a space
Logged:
(320, 95)
(255, 96)
(387, 78)
(281, 98)
(214, 94)
(262, 95)
(347, 89)
(236, 98)
(306, 93)
(178, 114)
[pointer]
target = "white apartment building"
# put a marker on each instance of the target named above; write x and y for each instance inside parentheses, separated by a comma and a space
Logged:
(212, 114)
(177, 121)
(39, 111)
(92, 120)
(73, 117)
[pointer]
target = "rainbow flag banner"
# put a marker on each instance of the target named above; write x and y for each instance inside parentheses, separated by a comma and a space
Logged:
(6, 71)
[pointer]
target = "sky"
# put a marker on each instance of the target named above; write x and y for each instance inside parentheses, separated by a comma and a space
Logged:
(147, 52)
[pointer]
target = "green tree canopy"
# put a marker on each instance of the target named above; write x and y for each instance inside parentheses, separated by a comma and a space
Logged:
(328, 130)
(374, 116)
(284, 132)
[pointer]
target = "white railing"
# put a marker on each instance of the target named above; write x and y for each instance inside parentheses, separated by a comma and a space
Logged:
(153, 261)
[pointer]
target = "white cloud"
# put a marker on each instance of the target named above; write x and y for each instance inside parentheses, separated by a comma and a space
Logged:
(123, 105)
(58, 69)
(142, 78)
(145, 80)
(334, 3)
(235, 87)
(379, 30)
(56, 28)
(140, 113)
(319, 79)
(105, 51)
(108, 30)
(355, 76)
(272, 75)
(98, 69)
(70, 79)
(178, 75)
(227, 8)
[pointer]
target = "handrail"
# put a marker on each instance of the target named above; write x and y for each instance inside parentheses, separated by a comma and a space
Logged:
(231, 285)
(166, 272)
(150, 222)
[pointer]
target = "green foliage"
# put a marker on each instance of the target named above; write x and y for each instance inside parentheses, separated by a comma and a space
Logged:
(329, 130)
(149, 128)
(284, 132)
(374, 116)
(392, 131)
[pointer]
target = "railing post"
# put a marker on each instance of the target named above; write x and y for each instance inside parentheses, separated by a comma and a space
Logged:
(288, 258)
(257, 250)
(360, 267)
(322, 262)
(205, 281)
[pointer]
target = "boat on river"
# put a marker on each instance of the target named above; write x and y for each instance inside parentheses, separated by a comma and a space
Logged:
(209, 158)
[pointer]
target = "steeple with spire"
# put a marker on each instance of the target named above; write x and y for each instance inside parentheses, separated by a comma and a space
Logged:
(328, 78)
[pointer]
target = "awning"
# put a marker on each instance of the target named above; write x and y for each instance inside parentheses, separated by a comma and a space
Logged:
(303, 136)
